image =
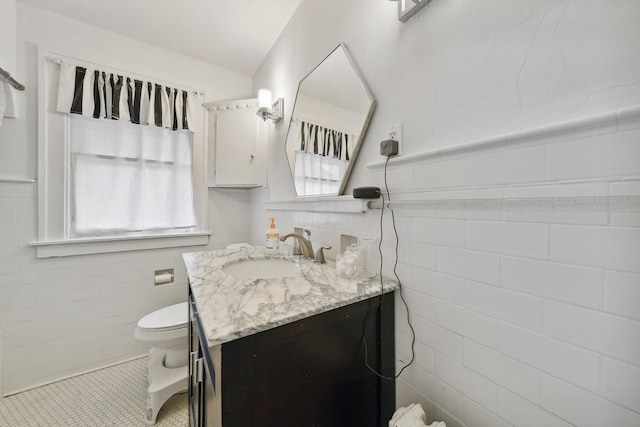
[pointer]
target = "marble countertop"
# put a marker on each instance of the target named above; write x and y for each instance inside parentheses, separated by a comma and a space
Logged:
(232, 308)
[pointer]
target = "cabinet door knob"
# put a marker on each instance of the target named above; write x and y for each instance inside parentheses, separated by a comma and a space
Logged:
(251, 156)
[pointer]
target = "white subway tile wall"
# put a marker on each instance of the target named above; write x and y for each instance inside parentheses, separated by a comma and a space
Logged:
(520, 412)
(476, 415)
(622, 294)
(507, 167)
(523, 317)
(60, 317)
(595, 157)
(475, 386)
(621, 382)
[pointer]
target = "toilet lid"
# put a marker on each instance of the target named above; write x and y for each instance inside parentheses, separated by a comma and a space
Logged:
(172, 317)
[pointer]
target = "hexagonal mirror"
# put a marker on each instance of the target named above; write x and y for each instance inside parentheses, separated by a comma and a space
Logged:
(330, 116)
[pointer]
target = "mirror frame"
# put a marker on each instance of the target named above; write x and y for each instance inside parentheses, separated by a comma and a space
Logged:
(361, 134)
(409, 8)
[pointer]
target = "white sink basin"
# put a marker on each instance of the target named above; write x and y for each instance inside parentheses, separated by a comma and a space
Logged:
(261, 268)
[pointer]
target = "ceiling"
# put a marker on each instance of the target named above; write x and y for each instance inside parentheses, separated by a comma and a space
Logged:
(234, 34)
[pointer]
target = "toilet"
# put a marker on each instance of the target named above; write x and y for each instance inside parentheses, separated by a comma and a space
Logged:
(166, 332)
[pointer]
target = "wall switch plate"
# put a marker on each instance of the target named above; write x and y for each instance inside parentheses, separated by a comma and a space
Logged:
(395, 133)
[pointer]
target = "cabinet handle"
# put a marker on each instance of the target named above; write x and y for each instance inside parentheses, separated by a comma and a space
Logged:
(251, 156)
(193, 357)
(196, 368)
(199, 371)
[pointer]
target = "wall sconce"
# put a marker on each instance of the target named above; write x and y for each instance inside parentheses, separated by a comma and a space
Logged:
(267, 109)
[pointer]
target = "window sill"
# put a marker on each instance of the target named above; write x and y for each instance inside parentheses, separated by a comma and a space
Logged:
(101, 245)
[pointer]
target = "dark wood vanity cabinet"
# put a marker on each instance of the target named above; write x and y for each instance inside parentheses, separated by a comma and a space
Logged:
(201, 387)
(311, 372)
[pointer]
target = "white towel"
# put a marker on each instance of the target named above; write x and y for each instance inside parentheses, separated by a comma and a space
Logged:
(3, 100)
(412, 416)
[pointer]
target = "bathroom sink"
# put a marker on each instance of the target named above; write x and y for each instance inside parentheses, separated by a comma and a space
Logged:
(261, 268)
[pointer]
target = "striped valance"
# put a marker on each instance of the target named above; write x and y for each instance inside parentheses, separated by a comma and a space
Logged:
(321, 140)
(105, 95)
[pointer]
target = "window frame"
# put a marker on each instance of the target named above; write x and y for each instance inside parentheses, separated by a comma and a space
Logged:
(54, 203)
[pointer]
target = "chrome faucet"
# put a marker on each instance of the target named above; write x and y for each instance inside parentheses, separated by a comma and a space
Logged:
(305, 245)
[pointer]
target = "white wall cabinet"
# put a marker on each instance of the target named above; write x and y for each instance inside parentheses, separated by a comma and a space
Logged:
(237, 145)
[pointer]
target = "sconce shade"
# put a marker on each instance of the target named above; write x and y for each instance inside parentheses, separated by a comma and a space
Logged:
(264, 99)
(267, 109)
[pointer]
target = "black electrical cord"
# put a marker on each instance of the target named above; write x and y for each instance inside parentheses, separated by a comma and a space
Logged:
(395, 273)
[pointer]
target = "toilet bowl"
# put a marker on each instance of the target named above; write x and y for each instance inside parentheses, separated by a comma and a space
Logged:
(166, 332)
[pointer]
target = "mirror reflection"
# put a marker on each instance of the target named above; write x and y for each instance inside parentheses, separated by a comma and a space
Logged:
(330, 116)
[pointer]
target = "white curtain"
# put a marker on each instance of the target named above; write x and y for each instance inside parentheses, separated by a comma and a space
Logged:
(129, 178)
(316, 174)
(320, 158)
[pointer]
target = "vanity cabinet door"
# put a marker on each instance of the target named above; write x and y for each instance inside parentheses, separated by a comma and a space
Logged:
(307, 373)
(204, 399)
(196, 403)
(312, 372)
(237, 145)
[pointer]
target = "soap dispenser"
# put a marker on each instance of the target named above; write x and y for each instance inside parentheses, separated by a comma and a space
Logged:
(273, 236)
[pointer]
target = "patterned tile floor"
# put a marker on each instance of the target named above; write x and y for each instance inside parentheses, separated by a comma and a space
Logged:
(114, 396)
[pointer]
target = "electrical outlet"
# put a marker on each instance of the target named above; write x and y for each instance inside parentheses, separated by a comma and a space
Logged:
(395, 132)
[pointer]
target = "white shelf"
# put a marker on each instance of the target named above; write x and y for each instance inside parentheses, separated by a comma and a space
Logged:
(331, 204)
(611, 119)
(539, 204)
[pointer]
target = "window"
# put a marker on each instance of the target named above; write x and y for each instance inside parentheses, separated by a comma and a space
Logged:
(127, 178)
(117, 176)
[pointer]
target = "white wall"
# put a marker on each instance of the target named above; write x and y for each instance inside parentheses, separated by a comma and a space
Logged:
(462, 70)
(62, 316)
(523, 316)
